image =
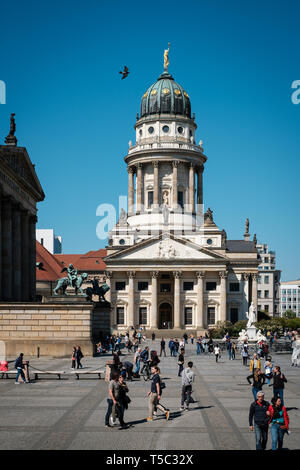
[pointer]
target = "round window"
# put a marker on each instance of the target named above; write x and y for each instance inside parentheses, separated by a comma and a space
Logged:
(180, 130)
(122, 241)
(151, 130)
(166, 129)
(209, 241)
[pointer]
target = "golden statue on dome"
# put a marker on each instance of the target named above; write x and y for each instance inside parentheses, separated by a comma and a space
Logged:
(166, 58)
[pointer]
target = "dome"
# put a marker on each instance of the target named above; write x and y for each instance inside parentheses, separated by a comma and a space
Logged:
(165, 97)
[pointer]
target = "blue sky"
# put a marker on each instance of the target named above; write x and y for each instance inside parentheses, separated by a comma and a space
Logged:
(237, 61)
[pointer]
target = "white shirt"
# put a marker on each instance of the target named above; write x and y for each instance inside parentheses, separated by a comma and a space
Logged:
(217, 350)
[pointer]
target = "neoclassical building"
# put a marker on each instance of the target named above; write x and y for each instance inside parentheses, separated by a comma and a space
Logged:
(168, 264)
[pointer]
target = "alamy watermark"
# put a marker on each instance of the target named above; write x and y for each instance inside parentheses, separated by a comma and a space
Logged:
(2, 92)
(296, 94)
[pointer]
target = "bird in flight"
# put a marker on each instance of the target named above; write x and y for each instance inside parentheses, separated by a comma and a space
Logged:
(125, 72)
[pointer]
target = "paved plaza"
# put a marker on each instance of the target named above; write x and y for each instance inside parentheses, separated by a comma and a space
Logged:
(69, 413)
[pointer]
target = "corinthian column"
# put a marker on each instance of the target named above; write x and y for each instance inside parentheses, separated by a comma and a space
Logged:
(223, 296)
(130, 190)
(131, 319)
(155, 185)
(192, 187)
(254, 289)
(25, 254)
(200, 317)
(200, 186)
(175, 184)
(6, 253)
(16, 252)
(139, 188)
(32, 258)
(177, 319)
(153, 315)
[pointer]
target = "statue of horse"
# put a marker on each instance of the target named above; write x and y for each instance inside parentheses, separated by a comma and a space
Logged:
(64, 282)
(97, 290)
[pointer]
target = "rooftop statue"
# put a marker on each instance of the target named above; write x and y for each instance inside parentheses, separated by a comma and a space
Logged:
(97, 290)
(247, 226)
(74, 280)
(166, 58)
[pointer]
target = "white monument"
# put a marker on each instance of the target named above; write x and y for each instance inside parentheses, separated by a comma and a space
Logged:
(252, 318)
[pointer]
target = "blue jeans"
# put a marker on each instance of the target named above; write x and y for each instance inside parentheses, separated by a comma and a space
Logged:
(277, 436)
(278, 392)
(20, 372)
(229, 354)
(261, 436)
(255, 391)
(137, 367)
(198, 348)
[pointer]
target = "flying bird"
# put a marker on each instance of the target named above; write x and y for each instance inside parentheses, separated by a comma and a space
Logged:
(125, 72)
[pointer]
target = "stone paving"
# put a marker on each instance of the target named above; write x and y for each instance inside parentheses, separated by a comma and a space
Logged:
(69, 413)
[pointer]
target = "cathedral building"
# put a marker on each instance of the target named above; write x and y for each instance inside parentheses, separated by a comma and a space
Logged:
(168, 264)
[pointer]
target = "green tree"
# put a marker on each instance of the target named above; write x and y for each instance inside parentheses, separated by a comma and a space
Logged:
(289, 314)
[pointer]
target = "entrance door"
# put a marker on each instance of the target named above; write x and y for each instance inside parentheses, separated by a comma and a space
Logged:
(165, 316)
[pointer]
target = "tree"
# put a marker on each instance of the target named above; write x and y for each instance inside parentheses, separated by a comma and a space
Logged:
(289, 314)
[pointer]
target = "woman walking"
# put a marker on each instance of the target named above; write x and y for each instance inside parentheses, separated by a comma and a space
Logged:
(233, 351)
(280, 423)
(180, 361)
(217, 352)
(73, 358)
(155, 395)
(258, 382)
(278, 383)
(268, 366)
(245, 355)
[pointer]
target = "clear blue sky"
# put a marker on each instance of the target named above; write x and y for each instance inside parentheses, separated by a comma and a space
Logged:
(236, 59)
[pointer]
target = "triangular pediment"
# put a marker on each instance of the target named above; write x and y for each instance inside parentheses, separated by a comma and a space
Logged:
(166, 247)
(17, 161)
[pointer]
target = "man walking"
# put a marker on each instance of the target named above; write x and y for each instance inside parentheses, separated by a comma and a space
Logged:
(19, 366)
(171, 347)
(162, 347)
(278, 383)
(155, 395)
(229, 349)
(198, 344)
(180, 361)
(188, 377)
(114, 405)
(217, 352)
(259, 412)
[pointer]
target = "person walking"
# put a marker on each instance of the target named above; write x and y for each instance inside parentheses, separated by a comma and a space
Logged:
(171, 347)
(217, 352)
(229, 349)
(180, 361)
(279, 380)
(185, 337)
(233, 350)
(259, 412)
(198, 345)
(268, 366)
(144, 357)
(136, 362)
(245, 355)
(155, 395)
(122, 402)
(20, 366)
(79, 356)
(258, 382)
(192, 338)
(153, 336)
(176, 347)
(188, 377)
(73, 358)
(255, 363)
(162, 347)
(113, 401)
(280, 423)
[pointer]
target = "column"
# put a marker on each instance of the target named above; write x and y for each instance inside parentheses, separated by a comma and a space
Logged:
(130, 318)
(6, 249)
(200, 307)
(246, 278)
(200, 186)
(254, 289)
(0, 245)
(139, 188)
(130, 190)
(25, 255)
(223, 296)
(175, 184)
(155, 185)
(177, 319)
(108, 276)
(153, 315)
(32, 257)
(16, 252)
(192, 187)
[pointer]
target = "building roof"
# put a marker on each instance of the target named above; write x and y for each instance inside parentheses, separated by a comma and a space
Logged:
(292, 283)
(91, 261)
(51, 267)
(165, 96)
(241, 246)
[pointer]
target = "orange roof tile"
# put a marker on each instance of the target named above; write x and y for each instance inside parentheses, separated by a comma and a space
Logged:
(51, 268)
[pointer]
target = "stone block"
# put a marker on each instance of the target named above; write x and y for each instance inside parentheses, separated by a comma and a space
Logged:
(52, 328)
(9, 327)
(75, 334)
(38, 317)
(46, 333)
(31, 334)
(74, 322)
(4, 322)
(31, 322)
(59, 322)
(45, 322)
(4, 334)
(24, 328)
(16, 322)
(9, 316)
(24, 317)
(37, 328)
(53, 317)
(18, 311)
(86, 322)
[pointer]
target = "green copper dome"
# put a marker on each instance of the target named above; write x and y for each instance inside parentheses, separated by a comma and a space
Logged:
(165, 97)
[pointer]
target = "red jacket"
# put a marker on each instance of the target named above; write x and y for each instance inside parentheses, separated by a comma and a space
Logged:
(285, 415)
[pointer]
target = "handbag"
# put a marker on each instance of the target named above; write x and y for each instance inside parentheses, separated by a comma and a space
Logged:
(162, 385)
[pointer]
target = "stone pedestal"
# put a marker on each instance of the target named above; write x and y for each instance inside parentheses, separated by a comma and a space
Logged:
(251, 333)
